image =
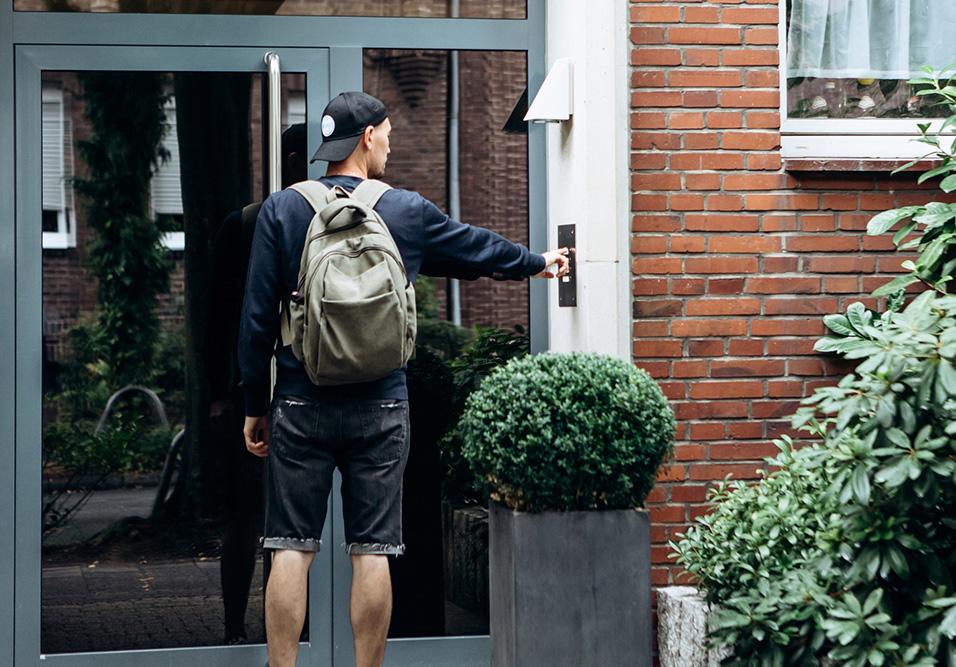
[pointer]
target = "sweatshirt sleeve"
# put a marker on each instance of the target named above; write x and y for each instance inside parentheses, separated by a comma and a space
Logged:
(259, 325)
(456, 250)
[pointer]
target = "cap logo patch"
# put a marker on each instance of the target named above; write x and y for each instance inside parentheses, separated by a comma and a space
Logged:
(328, 125)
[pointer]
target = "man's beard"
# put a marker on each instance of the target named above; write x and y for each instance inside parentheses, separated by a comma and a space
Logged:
(376, 172)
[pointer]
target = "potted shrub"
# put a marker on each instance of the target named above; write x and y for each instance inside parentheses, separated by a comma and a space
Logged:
(568, 446)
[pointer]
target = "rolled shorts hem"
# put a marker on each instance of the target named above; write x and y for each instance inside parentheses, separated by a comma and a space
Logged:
(293, 543)
(374, 549)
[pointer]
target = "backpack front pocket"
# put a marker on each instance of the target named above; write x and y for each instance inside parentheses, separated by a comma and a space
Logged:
(361, 339)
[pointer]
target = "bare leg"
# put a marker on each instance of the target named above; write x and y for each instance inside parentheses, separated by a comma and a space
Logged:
(286, 597)
(370, 608)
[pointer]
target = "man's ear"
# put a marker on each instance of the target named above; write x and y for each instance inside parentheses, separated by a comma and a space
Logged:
(367, 137)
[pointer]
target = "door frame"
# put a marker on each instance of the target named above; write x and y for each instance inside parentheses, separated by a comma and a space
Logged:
(31, 61)
(34, 38)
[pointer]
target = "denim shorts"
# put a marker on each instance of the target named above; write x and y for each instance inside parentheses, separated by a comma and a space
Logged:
(367, 441)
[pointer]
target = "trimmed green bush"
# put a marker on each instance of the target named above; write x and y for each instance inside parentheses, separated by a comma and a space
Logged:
(567, 432)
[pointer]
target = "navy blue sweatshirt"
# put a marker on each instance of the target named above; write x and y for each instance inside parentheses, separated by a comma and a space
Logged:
(430, 243)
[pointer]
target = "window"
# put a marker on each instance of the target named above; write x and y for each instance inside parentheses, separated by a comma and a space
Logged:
(847, 64)
(166, 197)
(59, 217)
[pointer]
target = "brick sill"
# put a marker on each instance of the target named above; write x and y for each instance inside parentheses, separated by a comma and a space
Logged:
(853, 164)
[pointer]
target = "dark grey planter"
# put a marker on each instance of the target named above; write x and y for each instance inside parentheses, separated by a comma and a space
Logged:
(570, 588)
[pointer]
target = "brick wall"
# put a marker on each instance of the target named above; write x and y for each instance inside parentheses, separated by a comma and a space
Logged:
(734, 259)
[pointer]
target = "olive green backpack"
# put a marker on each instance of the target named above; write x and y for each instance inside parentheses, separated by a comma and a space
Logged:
(352, 315)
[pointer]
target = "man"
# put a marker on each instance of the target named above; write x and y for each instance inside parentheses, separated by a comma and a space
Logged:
(360, 428)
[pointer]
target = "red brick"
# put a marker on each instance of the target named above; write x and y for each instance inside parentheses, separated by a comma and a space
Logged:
(645, 286)
(686, 202)
(727, 389)
(674, 391)
(710, 409)
(779, 264)
(648, 79)
(689, 452)
(706, 431)
(671, 473)
(817, 223)
(658, 140)
(772, 409)
(751, 141)
(692, 368)
(655, 223)
(704, 78)
(854, 221)
(709, 327)
(842, 264)
(648, 120)
(725, 285)
(822, 243)
(764, 161)
(651, 181)
(647, 56)
(708, 35)
(702, 57)
(646, 244)
(726, 368)
(647, 35)
(655, 14)
(657, 307)
(745, 244)
(671, 514)
(784, 388)
(685, 243)
(649, 202)
(650, 328)
(700, 98)
(749, 15)
(762, 119)
(773, 222)
(657, 98)
(749, 98)
(701, 141)
(656, 369)
(752, 451)
(701, 15)
(654, 161)
(687, 286)
(763, 79)
(721, 265)
(702, 181)
(746, 430)
(705, 348)
(760, 36)
(739, 306)
(876, 202)
(653, 265)
(787, 327)
(805, 367)
(686, 120)
(738, 182)
(745, 347)
(762, 202)
(804, 306)
(790, 346)
(841, 202)
(751, 57)
(724, 202)
(724, 119)
(720, 223)
(651, 348)
(783, 285)
(703, 471)
(689, 493)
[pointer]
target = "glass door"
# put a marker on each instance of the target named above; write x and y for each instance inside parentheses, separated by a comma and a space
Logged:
(135, 168)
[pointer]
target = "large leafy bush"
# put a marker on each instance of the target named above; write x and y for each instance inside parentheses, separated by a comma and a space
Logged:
(846, 552)
(567, 432)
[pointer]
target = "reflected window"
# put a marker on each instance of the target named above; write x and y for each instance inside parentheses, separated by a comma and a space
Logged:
(484, 9)
(59, 220)
(166, 197)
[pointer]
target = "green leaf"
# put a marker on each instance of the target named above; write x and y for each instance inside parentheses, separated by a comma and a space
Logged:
(948, 184)
(946, 375)
(860, 482)
(948, 626)
(895, 285)
(883, 222)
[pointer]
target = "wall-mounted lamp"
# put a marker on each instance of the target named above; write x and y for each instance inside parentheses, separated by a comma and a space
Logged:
(553, 103)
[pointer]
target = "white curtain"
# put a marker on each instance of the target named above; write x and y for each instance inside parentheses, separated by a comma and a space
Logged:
(880, 39)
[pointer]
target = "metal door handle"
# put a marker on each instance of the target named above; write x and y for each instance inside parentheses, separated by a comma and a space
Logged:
(274, 114)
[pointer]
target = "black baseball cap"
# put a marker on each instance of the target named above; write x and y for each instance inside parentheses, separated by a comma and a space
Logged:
(344, 121)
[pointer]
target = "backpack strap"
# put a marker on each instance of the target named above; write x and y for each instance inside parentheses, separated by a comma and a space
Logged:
(370, 191)
(314, 192)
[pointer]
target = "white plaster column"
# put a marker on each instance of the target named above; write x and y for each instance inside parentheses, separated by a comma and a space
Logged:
(588, 175)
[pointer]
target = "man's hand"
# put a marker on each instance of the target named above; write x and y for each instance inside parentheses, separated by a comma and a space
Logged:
(256, 433)
(559, 258)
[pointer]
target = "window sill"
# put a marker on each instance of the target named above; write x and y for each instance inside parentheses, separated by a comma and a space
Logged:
(854, 164)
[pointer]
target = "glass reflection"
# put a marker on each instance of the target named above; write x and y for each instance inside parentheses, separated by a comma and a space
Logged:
(448, 111)
(486, 9)
(152, 507)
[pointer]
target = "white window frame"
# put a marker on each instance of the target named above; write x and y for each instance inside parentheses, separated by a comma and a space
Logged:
(845, 138)
(174, 241)
(64, 237)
